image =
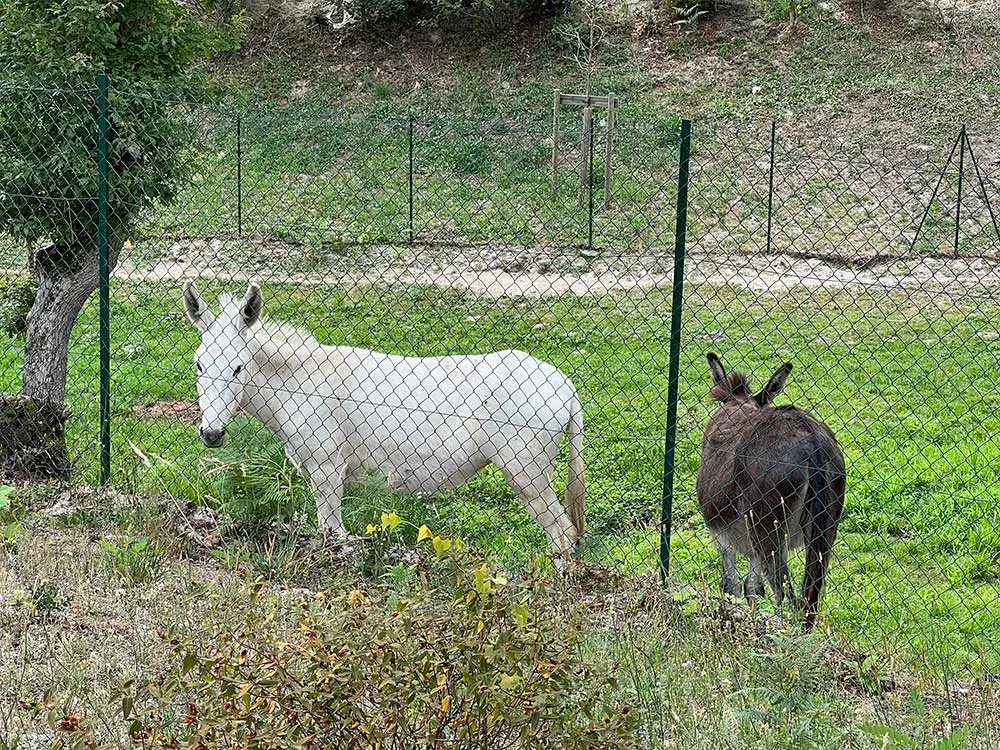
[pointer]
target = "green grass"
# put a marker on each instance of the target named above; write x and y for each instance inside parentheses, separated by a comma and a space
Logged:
(907, 384)
(327, 177)
(697, 687)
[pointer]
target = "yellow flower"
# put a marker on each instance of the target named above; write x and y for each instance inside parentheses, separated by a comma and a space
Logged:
(390, 520)
(371, 529)
(446, 703)
(424, 533)
(356, 598)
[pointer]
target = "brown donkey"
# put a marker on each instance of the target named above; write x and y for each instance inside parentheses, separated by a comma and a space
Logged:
(771, 478)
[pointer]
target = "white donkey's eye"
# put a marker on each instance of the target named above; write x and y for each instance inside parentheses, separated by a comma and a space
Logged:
(237, 371)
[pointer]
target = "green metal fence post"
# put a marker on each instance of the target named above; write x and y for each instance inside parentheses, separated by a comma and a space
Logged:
(961, 174)
(104, 271)
(590, 187)
(770, 184)
(239, 174)
(409, 140)
(673, 376)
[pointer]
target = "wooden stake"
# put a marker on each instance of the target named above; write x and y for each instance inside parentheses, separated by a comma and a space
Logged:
(588, 124)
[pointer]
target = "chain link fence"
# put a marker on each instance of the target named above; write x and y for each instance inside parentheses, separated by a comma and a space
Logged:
(872, 269)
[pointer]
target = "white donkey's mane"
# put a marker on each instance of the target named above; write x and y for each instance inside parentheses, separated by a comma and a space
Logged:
(276, 338)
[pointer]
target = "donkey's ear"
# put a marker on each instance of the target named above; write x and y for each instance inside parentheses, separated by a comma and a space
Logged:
(196, 308)
(774, 385)
(715, 365)
(251, 306)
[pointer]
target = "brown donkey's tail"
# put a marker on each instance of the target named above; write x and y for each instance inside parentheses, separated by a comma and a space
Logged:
(826, 503)
(576, 492)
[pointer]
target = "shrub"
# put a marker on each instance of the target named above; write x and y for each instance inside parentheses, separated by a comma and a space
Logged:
(489, 664)
(136, 560)
(260, 490)
(499, 12)
(372, 12)
(482, 14)
(17, 295)
(10, 527)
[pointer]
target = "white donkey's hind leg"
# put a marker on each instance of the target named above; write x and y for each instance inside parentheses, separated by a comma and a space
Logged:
(541, 501)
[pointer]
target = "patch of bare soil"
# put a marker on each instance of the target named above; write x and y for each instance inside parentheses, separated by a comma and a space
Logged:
(178, 409)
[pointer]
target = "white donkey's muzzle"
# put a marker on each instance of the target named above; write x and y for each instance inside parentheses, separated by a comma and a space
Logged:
(212, 438)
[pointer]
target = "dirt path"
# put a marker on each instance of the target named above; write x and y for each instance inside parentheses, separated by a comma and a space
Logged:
(524, 272)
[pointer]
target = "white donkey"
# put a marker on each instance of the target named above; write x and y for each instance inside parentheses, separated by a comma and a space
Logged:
(428, 423)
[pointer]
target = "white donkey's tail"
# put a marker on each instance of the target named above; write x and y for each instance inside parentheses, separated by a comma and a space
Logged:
(576, 491)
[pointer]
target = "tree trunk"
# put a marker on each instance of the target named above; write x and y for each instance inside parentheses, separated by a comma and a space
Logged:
(68, 274)
(32, 440)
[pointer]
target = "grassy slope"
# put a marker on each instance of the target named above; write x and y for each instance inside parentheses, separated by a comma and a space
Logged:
(899, 76)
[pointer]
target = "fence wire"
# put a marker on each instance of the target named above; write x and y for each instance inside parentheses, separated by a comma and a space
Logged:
(872, 269)
(853, 277)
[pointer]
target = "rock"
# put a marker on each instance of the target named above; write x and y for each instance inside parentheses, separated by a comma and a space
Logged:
(65, 505)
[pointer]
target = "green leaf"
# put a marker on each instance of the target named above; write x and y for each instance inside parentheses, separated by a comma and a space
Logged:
(140, 544)
(10, 531)
(481, 580)
(441, 545)
(189, 662)
(520, 613)
(896, 738)
(953, 741)
(127, 704)
(390, 521)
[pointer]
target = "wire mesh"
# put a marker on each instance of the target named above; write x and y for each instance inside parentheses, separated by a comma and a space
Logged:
(417, 237)
(891, 337)
(434, 235)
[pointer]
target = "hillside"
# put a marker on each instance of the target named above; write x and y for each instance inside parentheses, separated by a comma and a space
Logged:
(877, 71)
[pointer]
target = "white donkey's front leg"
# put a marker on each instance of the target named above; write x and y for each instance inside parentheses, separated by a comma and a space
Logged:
(327, 481)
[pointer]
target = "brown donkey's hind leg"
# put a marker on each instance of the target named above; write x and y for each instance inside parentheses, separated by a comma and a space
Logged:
(827, 488)
(730, 574)
(769, 538)
(754, 584)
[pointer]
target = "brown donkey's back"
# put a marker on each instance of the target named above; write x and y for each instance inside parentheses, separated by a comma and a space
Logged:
(770, 479)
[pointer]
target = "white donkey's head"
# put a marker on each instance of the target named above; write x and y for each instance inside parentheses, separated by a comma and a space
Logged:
(224, 359)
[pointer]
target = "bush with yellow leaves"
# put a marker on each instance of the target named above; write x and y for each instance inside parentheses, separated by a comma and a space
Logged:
(492, 663)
